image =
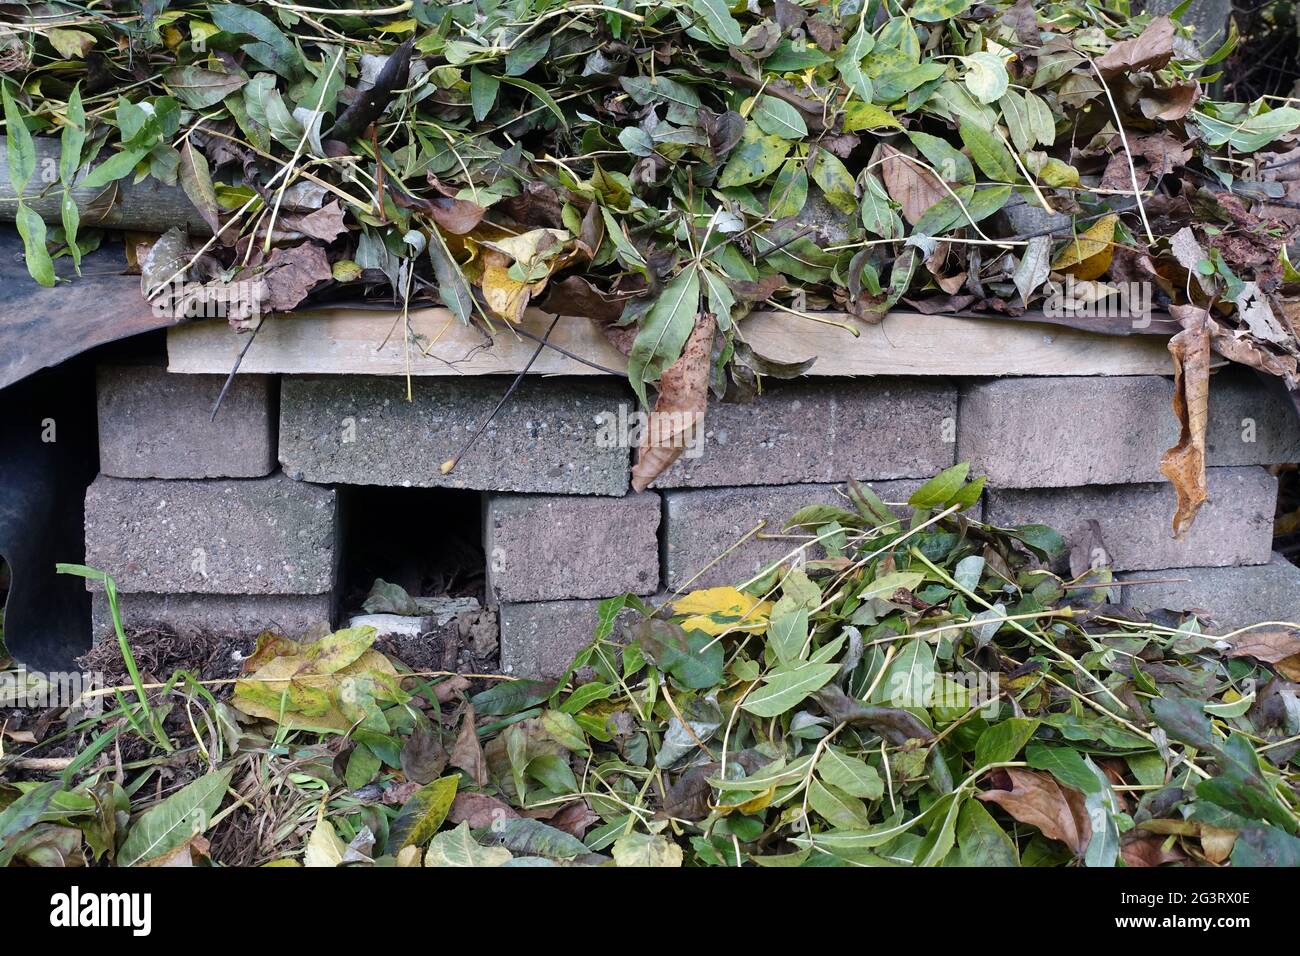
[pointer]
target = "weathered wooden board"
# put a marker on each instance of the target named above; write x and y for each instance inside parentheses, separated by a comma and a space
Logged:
(356, 342)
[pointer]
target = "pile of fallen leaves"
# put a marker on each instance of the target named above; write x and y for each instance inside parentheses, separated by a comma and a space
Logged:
(907, 687)
(664, 167)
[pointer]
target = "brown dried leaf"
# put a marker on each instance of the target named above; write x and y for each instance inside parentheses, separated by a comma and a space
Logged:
(480, 810)
(757, 290)
(1150, 51)
(574, 295)
(467, 752)
(1184, 464)
(324, 224)
(1267, 646)
(1037, 799)
(1148, 850)
(1217, 843)
(575, 818)
(1170, 103)
(291, 273)
(913, 187)
(678, 416)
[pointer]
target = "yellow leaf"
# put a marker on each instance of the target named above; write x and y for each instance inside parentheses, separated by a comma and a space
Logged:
(505, 296)
(512, 269)
(714, 610)
(860, 116)
(1088, 254)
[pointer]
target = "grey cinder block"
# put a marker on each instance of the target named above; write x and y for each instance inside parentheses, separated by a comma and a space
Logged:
(153, 424)
(809, 432)
(1230, 597)
(552, 547)
(361, 430)
(1235, 526)
(216, 536)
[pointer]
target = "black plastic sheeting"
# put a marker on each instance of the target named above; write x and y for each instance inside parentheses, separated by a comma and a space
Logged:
(48, 455)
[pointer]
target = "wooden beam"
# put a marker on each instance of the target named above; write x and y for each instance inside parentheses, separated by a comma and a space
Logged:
(357, 342)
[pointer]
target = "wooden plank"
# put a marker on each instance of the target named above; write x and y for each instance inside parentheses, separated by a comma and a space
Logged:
(356, 342)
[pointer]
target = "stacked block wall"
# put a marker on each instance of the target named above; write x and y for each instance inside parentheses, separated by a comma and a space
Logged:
(199, 526)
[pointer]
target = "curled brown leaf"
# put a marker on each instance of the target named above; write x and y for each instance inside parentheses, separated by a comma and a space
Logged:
(678, 417)
(1184, 463)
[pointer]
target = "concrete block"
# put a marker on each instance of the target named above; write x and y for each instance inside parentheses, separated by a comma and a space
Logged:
(234, 536)
(805, 432)
(1065, 432)
(213, 614)
(1230, 597)
(701, 524)
(551, 547)
(1252, 421)
(361, 430)
(540, 639)
(1234, 527)
(153, 424)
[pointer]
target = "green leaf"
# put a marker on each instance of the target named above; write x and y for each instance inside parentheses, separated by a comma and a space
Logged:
(423, 813)
(201, 88)
(1183, 719)
(511, 697)
(1040, 119)
(544, 97)
(756, 157)
(525, 837)
(910, 677)
(72, 139)
(939, 490)
(196, 180)
(779, 118)
(1003, 741)
(21, 815)
(683, 102)
(1265, 846)
(949, 162)
(21, 150)
(788, 631)
(521, 59)
(830, 174)
(275, 51)
(71, 219)
(719, 20)
(981, 841)
(878, 214)
(363, 766)
(115, 167)
(786, 687)
(885, 585)
(1064, 764)
(986, 76)
(936, 11)
(939, 841)
(483, 89)
(694, 658)
(1016, 113)
(32, 228)
(851, 775)
(664, 331)
(836, 807)
(168, 824)
(988, 152)
(459, 848)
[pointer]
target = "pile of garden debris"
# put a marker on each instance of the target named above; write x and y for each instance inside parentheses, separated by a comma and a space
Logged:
(663, 168)
(926, 693)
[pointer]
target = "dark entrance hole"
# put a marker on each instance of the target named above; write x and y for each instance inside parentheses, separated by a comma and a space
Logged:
(428, 540)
